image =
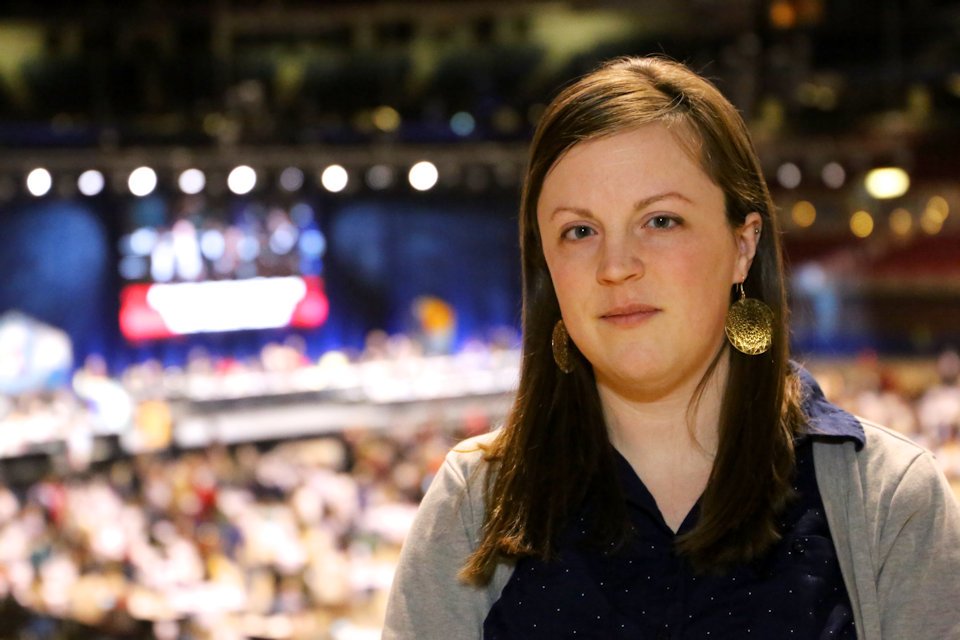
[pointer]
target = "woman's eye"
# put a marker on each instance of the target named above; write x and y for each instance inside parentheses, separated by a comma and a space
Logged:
(663, 222)
(578, 232)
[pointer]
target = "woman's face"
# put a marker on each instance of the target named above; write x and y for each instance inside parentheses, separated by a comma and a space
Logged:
(642, 259)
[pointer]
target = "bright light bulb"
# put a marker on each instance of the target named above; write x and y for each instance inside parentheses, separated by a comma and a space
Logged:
(887, 182)
(192, 181)
(242, 180)
(334, 178)
(142, 181)
(423, 175)
(39, 182)
(90, 182)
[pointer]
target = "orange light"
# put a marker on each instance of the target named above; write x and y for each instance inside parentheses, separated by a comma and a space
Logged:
(861, 224)
(783, 15)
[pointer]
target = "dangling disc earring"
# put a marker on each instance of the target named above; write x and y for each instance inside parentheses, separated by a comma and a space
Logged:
(560, 341)
(749, 325)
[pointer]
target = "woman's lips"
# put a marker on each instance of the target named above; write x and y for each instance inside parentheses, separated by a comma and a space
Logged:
(629, 315)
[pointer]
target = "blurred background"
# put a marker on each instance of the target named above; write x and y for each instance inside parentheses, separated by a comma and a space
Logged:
(260, 271)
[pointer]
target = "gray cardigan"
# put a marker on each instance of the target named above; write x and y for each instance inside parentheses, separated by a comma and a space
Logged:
(894, 520)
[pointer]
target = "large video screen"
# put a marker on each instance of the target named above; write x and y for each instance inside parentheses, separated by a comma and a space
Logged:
(189, 266)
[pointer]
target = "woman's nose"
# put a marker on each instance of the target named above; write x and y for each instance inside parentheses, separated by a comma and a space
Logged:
(619, 262)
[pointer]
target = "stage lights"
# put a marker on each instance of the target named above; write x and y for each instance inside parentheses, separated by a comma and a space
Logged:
(833, 175)
(811, 205)
(901, 221)
(39, 182)
(789, 175)
(212, 244)
(379, 177)
(334, 178)
(462, 124)
(934, 215)
(313, 243)
(885, 183)
(803, 213)
(142, 181)
(216, 180)
(90, 182)
(423, 175)
(861, 224)
(291, 179)
(242, 180)
(386, 119)
(192, 181)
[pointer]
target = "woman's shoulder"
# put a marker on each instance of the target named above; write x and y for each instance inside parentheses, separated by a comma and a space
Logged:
(888, 449)
(882, 451)
(470, 455)
(888, 463)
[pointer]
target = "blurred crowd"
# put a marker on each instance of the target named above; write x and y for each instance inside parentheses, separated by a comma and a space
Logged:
(295, 538)
(142, 405)
(917, 398)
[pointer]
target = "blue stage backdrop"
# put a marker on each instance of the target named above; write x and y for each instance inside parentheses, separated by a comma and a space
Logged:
(60, 263)
(57, 267)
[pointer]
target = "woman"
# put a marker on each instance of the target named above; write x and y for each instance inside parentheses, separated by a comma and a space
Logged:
(665, 472)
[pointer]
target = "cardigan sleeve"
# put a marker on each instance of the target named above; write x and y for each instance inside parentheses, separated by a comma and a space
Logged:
(896, 526)
(427, 601)
(918, 576)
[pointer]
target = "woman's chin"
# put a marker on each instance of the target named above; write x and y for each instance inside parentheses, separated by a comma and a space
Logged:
(649, 378)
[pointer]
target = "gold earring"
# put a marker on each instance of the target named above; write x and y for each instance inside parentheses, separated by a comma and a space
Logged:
(749, 325)
(560, 342)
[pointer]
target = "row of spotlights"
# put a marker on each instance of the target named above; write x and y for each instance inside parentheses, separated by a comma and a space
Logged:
(832, 174)
(241, 180)
(902, 222)
(882, 183)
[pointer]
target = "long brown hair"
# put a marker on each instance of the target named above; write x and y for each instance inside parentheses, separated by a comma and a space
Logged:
(553, 455)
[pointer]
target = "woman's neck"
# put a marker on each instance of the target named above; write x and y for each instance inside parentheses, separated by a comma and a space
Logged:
(670, 442)
(675, 426)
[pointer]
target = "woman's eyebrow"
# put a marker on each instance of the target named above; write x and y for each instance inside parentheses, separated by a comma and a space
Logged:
(637, 206)
(586, 213)
(646, 202)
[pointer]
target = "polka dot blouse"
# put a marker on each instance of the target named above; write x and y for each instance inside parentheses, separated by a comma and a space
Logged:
(646, 591)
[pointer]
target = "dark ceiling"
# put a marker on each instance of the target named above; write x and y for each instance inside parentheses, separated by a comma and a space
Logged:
(863, 82)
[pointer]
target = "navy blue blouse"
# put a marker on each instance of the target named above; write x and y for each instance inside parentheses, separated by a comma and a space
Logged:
(646, 591)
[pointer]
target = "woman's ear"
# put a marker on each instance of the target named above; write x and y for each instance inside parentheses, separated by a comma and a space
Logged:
(747, 237)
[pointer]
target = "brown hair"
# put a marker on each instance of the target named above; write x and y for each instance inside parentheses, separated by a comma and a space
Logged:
(553, 455)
